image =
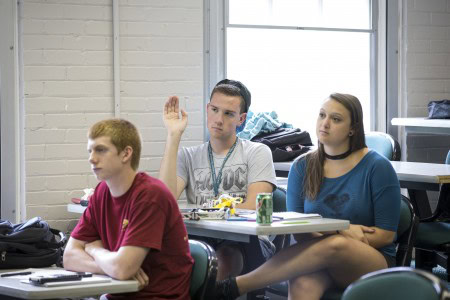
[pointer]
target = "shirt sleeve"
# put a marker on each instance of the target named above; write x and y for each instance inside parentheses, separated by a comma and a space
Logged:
(85, 229)
(386, 195)
(146, 228)
(260, 166)
(295, 196)
(182, 167)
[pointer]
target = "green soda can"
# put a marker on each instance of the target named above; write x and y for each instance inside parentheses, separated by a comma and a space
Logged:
(264, 208)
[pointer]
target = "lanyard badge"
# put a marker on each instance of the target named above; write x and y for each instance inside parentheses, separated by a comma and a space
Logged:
(217, 179)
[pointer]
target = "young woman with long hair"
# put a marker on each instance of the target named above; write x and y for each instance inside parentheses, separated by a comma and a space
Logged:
(342, 179)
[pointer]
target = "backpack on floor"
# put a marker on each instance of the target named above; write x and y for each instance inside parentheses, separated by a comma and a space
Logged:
(32, 244)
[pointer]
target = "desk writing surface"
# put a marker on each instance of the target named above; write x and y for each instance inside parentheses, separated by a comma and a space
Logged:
(423, 125)
(282, 182)
(76, 208)
(422, 122)
(422, 172)
(283, 166)
(251, 228)
(406, 171)
(13, 287)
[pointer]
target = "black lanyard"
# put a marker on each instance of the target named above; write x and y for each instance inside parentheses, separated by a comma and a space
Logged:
(216, 180)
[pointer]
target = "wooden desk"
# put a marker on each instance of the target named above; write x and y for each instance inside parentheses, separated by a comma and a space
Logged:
(423, 125)
(12, 287)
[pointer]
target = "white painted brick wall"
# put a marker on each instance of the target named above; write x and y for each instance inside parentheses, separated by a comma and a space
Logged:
(428, 54)
(427, 74)
(68, 73)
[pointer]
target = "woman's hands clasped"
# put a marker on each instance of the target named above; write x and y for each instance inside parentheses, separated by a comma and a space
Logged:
(357, 232)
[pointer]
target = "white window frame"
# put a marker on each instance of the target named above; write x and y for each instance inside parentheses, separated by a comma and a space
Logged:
(11, 113)
(215, 18)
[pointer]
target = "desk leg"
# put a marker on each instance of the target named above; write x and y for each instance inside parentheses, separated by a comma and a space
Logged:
(419, 200)
(253, 259)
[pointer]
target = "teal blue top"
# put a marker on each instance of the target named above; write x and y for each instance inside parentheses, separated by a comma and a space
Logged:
(369, 195)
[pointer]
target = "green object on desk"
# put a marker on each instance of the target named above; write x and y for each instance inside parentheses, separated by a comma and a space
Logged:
(294, 222)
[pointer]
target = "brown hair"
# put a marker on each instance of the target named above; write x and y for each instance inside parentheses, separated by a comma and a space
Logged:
(315, 160)
(231, 87)
(122, 134)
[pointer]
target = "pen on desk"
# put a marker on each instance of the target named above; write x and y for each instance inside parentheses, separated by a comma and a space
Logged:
(294, 222)
(237, 219)
(15, 274)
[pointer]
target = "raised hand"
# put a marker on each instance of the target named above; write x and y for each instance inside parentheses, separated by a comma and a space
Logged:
(171, 118)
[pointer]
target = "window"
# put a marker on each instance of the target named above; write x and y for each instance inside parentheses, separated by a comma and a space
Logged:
(292, 54)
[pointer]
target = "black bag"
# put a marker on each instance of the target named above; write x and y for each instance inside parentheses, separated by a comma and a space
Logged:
(439, 109)
(32, 244)
(285, 143)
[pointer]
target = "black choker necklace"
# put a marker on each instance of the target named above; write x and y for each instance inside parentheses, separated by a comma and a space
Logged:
(340, 156)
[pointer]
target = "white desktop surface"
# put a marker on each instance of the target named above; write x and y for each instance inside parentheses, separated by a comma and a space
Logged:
(406, 171)
(242, 230)
(423, 125)
(76, 208)
(14, 288)
(283, 166)
(252, 228)
(282, 182)
(422, 172)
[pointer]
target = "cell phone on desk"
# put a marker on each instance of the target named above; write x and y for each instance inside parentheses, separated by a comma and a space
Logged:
(41, 280)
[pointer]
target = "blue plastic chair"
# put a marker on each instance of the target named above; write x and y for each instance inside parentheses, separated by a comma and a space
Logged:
(384, 144)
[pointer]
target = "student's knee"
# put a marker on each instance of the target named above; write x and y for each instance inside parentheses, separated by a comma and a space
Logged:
(336, 245)
(231, 261)
(306, 285)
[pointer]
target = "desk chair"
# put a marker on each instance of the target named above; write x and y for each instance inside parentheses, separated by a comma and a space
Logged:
(204, 272)
(433, 236)
(396, 283)
(384, 144)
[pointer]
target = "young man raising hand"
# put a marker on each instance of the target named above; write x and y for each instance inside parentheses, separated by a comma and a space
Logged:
(224, 164)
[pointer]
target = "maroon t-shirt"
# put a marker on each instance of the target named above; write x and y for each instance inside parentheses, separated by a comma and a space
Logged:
(147, 215)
